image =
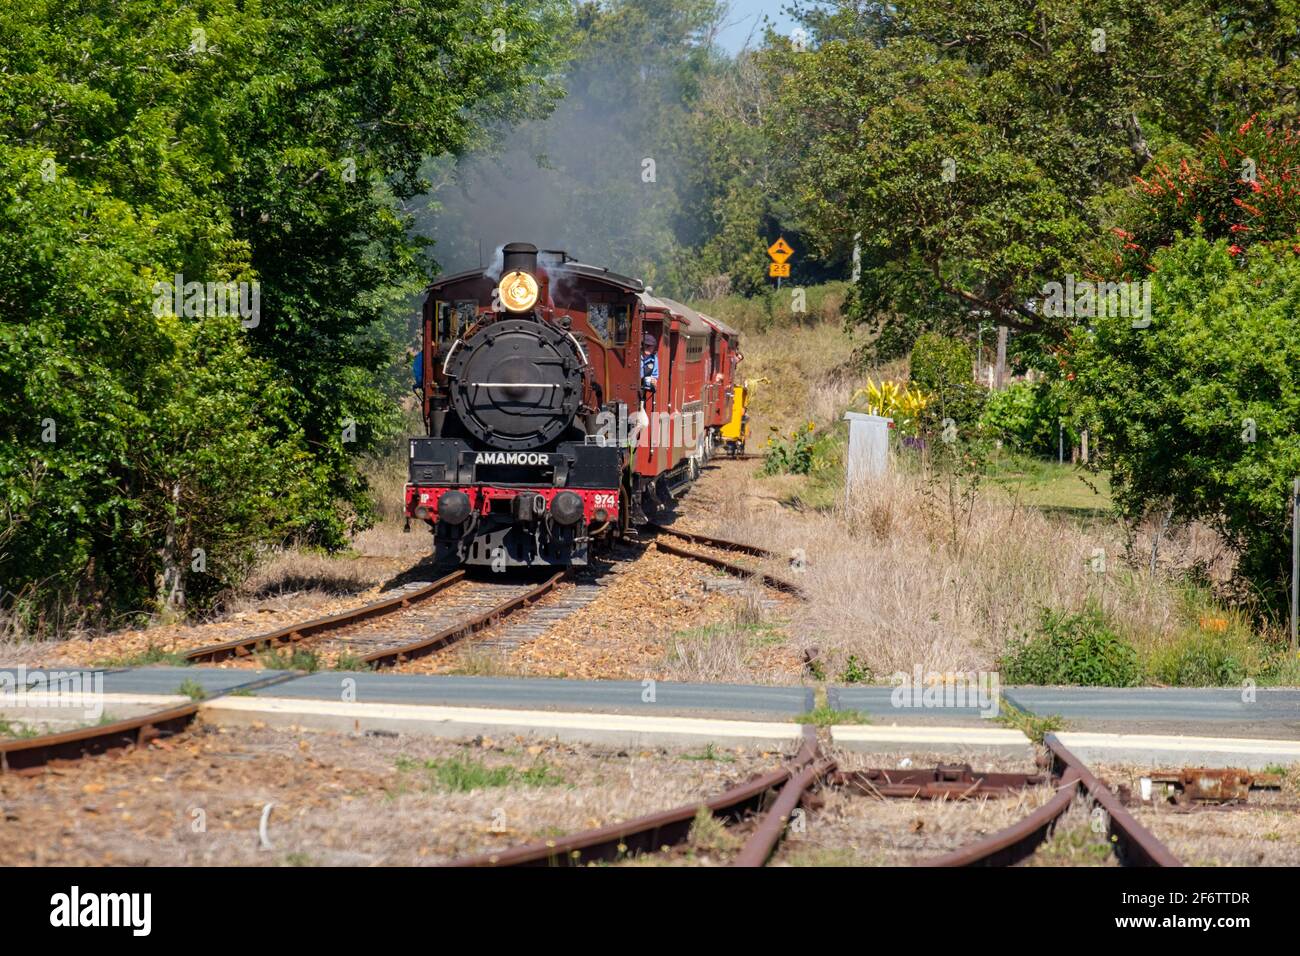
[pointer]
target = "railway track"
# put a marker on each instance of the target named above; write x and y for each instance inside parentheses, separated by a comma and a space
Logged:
(397, 629)
(31, 755)
(722, 563)
(381, 634)
(769, 801)
(409, 625)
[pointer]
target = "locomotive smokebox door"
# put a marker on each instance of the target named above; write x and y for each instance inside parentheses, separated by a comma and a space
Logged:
(517, 384)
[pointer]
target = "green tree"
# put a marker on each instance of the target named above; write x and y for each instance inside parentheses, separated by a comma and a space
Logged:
(1197, 412)
(969, 147)
(942, 369)
(264, 142)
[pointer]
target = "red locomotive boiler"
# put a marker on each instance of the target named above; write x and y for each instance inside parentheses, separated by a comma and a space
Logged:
(563, 405)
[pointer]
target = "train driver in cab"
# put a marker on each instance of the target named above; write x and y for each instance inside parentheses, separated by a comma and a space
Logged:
(649, 362)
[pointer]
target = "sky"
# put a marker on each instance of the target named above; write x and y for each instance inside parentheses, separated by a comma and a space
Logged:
(746, 16)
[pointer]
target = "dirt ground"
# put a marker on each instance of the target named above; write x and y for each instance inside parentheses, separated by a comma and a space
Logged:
(198, 799)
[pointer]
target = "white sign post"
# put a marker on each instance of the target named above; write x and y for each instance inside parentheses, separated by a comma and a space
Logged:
(868, 445)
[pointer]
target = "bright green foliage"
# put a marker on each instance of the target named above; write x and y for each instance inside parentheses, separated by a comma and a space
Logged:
(1025, 416)
(143, 456)
(1076, 649)
(1198, 412)
(970, 143)
(941, 369)
(801, 454)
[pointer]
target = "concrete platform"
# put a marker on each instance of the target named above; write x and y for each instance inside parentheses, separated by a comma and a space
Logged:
(877, 703)
(1274, 713)
(615, 730)
(146, 680)
(1157, 751)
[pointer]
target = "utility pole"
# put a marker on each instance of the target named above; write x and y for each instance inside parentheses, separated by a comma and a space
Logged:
(1001, 375)
(1295, 564)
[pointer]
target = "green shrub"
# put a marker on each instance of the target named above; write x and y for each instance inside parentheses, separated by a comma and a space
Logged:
(1025, 416)
(1198, 411)
(941, 368)
(1079, 649)
(855, 672)
(1201, 660)
(801, 454)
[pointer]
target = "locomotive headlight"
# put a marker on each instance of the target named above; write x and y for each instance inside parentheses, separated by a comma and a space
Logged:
(518, 291)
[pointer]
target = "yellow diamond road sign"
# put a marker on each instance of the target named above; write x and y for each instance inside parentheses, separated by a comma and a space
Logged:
(780, 250)
(778, 269)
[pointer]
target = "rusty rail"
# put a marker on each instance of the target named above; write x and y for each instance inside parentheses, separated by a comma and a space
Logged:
(739, 570)
(653, 832)
(1018, 841)
(27, 756)
(720, 543)
(293, 633)
(771, 828)
(388, 657)
(1135, 845)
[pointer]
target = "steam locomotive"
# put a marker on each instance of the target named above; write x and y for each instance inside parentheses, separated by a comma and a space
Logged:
(544, 437)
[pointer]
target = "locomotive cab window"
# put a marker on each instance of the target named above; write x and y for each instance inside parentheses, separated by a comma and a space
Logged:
(455, 317)
(609, 321)
(620, 322)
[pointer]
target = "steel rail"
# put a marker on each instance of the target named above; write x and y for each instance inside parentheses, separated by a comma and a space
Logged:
(1135, 845)
(26, 756)
(738, 570)
(720, 543)
(294, 633)
(388, 657)
(772, 827)
(648, 833)
(1018, 841)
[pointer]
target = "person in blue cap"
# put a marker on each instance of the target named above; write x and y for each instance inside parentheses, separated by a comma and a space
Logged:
(649, 362)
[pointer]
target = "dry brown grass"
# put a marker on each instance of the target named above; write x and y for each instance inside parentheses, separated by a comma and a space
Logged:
(341, 799)
(898, 579)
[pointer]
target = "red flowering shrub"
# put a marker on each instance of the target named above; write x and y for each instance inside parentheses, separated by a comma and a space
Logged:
(1243, 186)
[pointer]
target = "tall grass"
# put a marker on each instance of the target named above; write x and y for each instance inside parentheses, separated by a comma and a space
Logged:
(889, 587)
